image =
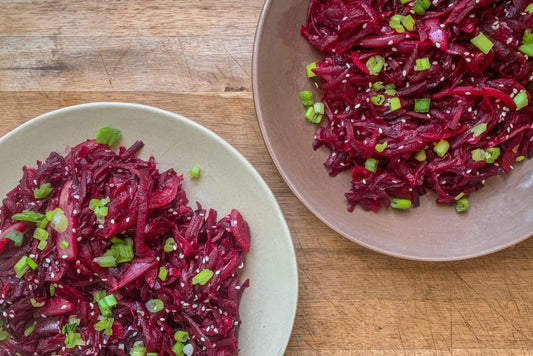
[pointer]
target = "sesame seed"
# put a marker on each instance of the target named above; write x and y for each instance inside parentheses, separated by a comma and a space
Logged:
(390, 42)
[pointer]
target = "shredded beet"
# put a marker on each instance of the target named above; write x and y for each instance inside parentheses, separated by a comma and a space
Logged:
(46, 308)
(468, 90)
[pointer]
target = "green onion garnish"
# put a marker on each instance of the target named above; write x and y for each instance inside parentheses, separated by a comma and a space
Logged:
(528, 37)
(408, 22)
(155, 305)
(35, 303)
(459, 196)
(526, 49)
(40, 234)
(378, 100)
(28, 215)
(371, 165)
(422, 105)
(306, 97)
(203, 277)
(462, 205)
(30, 329)
(310, 113)
(122, 252)
(520, 158)
(99, 208)
(105, 325)
(319, 108)
(405, 1)
(170, 243)
(521, 100)
(390, 89)
(396, 23)
(441, 148)
(478, 155)
(421, 6)
(395, 104)
(375, 64)
(380, 147)
(138, 349)
(107, 302)
(529, 9)
(106, 261)
(16, 236)
(309, 70)
(23, 265)
(108, 135)
(479, 129)
(63, 244)
(58, 220)
(52, 289)
(377, 86)
(181, 336)
(163, 274)
(482, 43)
(423, 64)
(43, 191)
(42, 244)
(4, 335)
(492, 154)
(178, 348)
(194, 172)
(398, 203)
(420, 156)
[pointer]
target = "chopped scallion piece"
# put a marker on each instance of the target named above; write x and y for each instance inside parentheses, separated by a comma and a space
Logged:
(462, 205)
(106, 261)
(73, 339)
(42, 244)
(319, 108)
(122, 252)
(520, 158)
(377, 86)
(181, 336)
(375, 64)
(380, 147)
(35, 303)
(4, 335)
(421, 6)
(482, 43)
(28, 215)
(420, 156)
(396, 23)
(479, 129)
(63, 244)
(32, 263)
(155, 305)
(138, 349)
(203, 277)
(478, 155)
(398, 203)
(309, 70)
(492, 154)
(105, 325)
(459, 196)
(310, 113)
(408, 22)
(178, 348)
(422, 105)
(108, 135)
(423, 64)
(317, 118)
(43, 191)
(395, 104)
(163, 274)
(107, 302)
(371, 165)
(16, 236)
(441, 148)
(405, 1)
(526, 49)
(40, 234)
(58, 220)
(529, 9)
(528, 37)
(194, 172)
(390, 90)
(170, 244)
(22, 266)
(521, 100)
(30, 329)
(378, 100)
(52, 289)
(306, 97)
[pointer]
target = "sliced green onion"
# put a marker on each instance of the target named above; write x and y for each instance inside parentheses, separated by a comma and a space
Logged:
(42, 244)
(170, 243)
(43, 191)
(479, 129)
(459, 196)
(30, 329)
(462, 205)
(181, 336)
(390, 90)
(529, 9)
(378, 100)
(371, 165)
(32, 263)
(405, 1)
(73, 339)
(310, 113)
(28, 215)
(23, 265)
(520, 158)
(52, 289)
(309, 70)
(152, 354)
(528, 37)
(107, 302)
(319, 108)
(306, 97)
(194, 172)
(521, 100)
(422, 105)
(108, 135)
(423, 64)
(421, 6)
(58, 220)
(478, 155)
(317, 118)
(163, 274)
(441, 148)
(380, 147)
(16, 236)
(375, 64)
(138, 349)
(105, 325)
(4, 335)
(40, 234)
(377, 86)
(178, 349)
(155, 305)
(420, 156)
(408, 22)
(122, 252)
(35, 303)
(526, 49)
(63, 244)
(492, 154)
(396, 23)
(115, 240)
(482, 43)
(395, 104)
(203, 277)
(398, 203)
(106, 261)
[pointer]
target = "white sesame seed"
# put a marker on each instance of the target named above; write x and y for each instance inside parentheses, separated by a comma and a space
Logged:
(390, 42)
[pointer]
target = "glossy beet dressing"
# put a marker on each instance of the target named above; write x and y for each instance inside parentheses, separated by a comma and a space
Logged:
(473, 95)
(52, 309)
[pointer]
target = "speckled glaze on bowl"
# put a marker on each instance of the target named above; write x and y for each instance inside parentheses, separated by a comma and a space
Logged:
(228, 180)
(500, 215)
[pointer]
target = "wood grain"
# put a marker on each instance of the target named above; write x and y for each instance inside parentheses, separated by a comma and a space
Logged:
(194, 58)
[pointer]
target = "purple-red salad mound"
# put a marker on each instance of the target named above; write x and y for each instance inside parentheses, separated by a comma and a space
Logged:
(102, 255)
(422, 95)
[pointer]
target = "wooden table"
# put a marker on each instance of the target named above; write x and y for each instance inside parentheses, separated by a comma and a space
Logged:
(194, 58)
